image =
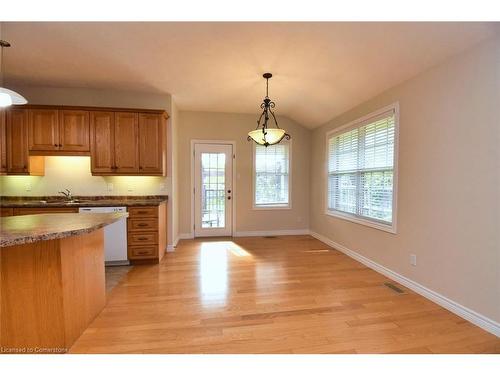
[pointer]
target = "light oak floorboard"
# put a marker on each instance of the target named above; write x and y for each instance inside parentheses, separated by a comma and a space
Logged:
(290, 294)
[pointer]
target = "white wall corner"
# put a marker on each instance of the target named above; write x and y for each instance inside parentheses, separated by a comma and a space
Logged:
(470, 315)
(185, 236)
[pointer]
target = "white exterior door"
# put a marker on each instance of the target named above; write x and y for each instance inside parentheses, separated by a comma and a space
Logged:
(213, 188)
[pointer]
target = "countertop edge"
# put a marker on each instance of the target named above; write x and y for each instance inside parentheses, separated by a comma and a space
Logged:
(27, 239)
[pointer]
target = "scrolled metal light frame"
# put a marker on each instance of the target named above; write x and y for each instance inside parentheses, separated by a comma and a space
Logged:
(267, 113)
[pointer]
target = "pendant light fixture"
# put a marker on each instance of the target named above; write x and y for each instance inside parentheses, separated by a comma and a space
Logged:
(263, 135)
(8, 97)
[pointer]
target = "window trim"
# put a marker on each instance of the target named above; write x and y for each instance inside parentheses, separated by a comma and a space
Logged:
(373, 223)
(273, 206)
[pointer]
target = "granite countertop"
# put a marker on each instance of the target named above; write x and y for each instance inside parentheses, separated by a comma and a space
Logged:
(83, 201)
(18, 230)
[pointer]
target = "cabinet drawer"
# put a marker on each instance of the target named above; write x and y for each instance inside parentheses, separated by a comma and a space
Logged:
(143, 224)
(150, 211)
(140, 238)
(143, 252)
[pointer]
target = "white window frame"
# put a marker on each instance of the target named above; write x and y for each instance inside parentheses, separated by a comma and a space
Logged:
(275, 206)
(391, 228)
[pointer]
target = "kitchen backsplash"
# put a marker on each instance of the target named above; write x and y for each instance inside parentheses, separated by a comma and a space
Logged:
(73, 172)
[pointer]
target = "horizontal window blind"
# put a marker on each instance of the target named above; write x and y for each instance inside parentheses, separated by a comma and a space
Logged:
(361, 169)
(272, 175)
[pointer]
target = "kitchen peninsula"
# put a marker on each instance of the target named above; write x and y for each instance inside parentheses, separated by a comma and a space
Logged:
(52, 279)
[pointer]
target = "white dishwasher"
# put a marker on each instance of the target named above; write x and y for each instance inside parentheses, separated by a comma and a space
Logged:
(115, 236)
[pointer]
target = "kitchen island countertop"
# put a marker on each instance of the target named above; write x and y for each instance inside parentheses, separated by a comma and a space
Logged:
(18, 230)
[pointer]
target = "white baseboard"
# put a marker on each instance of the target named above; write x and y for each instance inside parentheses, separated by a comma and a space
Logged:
(171, 247)
(260, 233)
(186, 236)
(462, 311)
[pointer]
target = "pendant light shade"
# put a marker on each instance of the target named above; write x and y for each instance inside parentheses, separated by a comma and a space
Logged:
(8, 97)
(269, 137)
(263, 135)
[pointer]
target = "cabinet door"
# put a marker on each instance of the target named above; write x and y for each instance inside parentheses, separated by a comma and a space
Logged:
(3, 143)
(74, 130)
(151, 150)
(43, 129)
(17, 141)
(102, 143)
(126, 142)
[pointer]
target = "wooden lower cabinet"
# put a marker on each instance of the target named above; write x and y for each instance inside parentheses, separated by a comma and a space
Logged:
(147, 233)
(6, 211)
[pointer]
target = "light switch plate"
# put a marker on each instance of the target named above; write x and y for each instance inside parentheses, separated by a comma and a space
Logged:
(28, 186)
(110, 186)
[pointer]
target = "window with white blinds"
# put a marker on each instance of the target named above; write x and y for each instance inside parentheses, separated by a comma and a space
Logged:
(361, 170)
(271, 176)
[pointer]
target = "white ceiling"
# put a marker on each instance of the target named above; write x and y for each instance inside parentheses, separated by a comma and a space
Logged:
(320, 69)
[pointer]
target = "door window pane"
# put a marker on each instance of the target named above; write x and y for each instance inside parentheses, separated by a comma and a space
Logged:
(213, 187)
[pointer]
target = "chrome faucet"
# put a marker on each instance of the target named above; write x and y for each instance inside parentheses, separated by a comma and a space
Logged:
(67, 194)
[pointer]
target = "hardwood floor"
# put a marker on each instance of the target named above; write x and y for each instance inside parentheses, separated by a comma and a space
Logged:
(271, 295)
(114, 274)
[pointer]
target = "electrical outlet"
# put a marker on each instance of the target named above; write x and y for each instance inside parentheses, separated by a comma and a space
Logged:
(162, 187)
(130, 187)
(28, 186)
(110, 186)
(413, 259)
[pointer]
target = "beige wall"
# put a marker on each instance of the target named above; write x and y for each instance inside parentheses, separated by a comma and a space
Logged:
(234, 127)
(449, 169)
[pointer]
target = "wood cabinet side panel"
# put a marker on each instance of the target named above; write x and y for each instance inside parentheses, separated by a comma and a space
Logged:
(83, 281)
(32, 302)
(162, 230)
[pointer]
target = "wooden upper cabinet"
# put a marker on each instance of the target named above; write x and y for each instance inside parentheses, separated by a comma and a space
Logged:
(151, 150)
(118, 141)
(74, 130)
(3, 143)
(17, 141)
(43, 129)
(126, 142)
(102, 142)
